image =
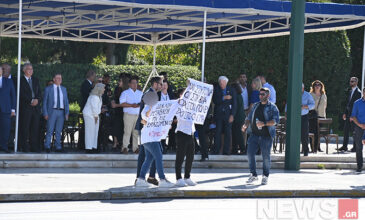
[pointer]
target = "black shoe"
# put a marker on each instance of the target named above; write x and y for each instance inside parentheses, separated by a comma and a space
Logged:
(319, 150)
(358, 171)
(7, 151)
(152, 180)
(204, 159)
(343, 148)
(88, 151)
(48, 150)
(353, 149)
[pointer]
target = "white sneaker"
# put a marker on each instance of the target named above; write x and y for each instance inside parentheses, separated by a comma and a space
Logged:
(252, 179)
(164, 183)
(190, 182)
(141, 183)
(180, 183)
(264, 180)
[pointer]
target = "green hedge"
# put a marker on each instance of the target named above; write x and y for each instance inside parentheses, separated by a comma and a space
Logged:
(73, 74)
(326, 57)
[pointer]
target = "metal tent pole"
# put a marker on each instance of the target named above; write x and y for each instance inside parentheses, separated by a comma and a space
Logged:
(204, 36)
(18, 79)
(295, 78)
(363, 65)
(154, 71)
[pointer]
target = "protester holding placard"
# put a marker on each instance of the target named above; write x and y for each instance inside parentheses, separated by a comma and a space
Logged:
(184, 148)
(157, 119)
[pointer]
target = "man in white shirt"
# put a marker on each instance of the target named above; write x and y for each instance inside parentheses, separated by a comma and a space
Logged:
(130, 100)
(270, 87)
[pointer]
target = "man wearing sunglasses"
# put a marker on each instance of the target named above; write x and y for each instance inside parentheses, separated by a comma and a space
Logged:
(262, 120)
(353, 95)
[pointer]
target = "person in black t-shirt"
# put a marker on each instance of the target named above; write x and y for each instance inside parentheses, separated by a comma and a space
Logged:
(262, 119)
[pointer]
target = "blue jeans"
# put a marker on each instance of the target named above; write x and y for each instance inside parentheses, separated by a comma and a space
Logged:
(141, 159)
(153, 152)
(54, 123)
(265, 143)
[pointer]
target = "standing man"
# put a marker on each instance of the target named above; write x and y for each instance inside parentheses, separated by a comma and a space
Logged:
(358, 117)
(7, 109)
(130, 101)
(262, 118)
(246, 93)
(30, 110)
(224, 98)
(307, 105)
(7, 74)
(85, 90)
(55, 111)
(353, 95)
(270, 87)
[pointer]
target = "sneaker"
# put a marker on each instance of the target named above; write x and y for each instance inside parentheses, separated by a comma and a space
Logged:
(180, 183)
(152, 180)
(142, 183)
(264, 180)
(252, 179)
(164, 183)
(190, 182)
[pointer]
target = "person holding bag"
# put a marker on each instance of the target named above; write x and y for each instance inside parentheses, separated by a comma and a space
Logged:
(318, 93)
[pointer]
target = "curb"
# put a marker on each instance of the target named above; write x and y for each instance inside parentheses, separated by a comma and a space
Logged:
(175, 194)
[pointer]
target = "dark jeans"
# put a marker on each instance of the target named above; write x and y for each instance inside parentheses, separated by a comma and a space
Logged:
(222, 124)
(348, 127)
(11, 142)
(237, 138)
(185, 147)
(358, 134)
(141, 159)
(305, 132)
(264, 143)
(202, 134)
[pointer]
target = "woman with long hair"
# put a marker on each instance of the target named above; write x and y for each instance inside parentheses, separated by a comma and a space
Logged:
(318, 93)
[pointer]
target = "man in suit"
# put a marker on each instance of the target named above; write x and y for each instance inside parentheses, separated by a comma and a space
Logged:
(246, 94)
(224, 98)
(7, 74)
(7, 109)
(353, 95)
(85, 90)
(55, 111)
(30, 98)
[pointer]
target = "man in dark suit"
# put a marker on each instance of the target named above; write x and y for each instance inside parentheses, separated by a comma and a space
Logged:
(7, 74)
(7, 109)
(246, 94)
(85, 90)
(353, 95)
(29, 113)
(224, 98)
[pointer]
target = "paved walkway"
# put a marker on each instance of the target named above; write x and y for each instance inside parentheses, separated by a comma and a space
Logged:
(116, 183)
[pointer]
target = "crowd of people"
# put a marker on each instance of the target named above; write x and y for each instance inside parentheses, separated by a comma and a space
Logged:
(242, 119)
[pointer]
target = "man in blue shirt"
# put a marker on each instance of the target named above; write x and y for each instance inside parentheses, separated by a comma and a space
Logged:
(358, 117)
(307, 105)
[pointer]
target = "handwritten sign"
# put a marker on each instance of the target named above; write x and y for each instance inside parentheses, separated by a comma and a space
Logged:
(195, 102)
(159, 121)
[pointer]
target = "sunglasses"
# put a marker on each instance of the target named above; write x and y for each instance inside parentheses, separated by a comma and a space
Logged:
(262, 94)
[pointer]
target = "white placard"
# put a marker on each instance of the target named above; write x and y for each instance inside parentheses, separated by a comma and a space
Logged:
(159, 121)
(195, 102)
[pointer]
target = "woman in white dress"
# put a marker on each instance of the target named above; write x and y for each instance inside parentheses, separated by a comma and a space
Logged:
(91, 113)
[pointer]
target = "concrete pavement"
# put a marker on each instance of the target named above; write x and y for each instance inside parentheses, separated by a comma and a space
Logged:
(117, 183)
